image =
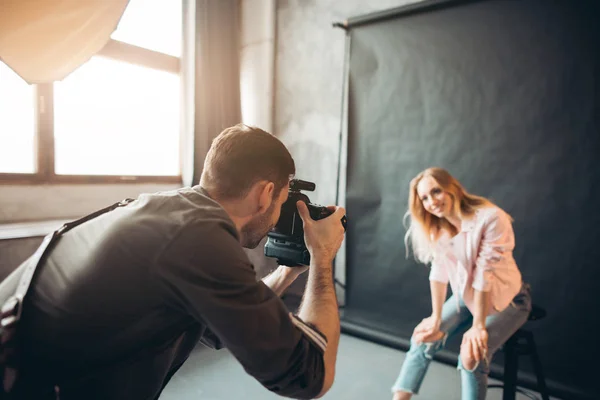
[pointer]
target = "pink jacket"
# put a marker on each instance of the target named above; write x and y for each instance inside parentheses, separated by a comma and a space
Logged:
(480, 257)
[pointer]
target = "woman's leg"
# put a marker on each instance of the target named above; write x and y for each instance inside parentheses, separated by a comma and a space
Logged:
(500, 328)
(419, 356)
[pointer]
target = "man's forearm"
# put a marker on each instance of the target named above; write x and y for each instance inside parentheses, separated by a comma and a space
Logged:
(482, 304)
(280, 279)
(319, 308)
(319, 303)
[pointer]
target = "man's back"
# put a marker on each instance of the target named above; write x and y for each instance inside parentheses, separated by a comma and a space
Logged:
(100, 307)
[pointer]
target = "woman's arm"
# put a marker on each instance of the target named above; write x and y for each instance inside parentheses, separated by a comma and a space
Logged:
(438, 297)
(428, 329)
(496, 244)
(482, 306)
(474, 344)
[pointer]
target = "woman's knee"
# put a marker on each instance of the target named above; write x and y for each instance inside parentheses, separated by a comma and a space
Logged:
(400, 395)
(469, 364)
(467, 361)
(427, 349)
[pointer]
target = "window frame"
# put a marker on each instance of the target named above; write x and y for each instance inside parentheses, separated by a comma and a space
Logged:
(44, 151)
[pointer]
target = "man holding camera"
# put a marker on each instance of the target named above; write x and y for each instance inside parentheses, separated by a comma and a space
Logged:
(121, 300)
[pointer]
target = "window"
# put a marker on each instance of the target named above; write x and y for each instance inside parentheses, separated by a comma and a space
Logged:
(143, 25)
(125, 113)
(17, 125)
(115, 118)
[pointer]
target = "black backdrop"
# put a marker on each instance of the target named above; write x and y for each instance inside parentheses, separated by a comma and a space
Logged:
(504, 94)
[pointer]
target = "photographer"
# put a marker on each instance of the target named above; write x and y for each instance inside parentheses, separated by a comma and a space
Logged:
(121, 300)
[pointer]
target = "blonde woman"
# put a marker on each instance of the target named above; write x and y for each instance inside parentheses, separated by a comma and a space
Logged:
(469, 242)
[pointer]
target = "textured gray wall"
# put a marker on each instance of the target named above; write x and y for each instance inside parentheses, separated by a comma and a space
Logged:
(309, 61)
(308, 85)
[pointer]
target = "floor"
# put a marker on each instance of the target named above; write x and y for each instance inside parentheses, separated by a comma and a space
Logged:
(364, 371)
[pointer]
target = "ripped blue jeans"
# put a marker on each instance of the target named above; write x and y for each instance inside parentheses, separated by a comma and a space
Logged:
(500, 328)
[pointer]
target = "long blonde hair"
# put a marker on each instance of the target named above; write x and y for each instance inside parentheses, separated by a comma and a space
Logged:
(425, 228)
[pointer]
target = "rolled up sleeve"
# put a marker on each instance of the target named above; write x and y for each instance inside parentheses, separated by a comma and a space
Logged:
(438, 271)
(210, 277)
(495, 249)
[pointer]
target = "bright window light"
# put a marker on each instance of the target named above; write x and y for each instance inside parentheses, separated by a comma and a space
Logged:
(115, 118)
(152, 24)
(17, 126)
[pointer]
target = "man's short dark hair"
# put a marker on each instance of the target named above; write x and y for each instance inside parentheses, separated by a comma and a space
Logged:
(243, 155)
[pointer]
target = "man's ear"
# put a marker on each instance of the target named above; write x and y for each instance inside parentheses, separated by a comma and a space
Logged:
(266, 195)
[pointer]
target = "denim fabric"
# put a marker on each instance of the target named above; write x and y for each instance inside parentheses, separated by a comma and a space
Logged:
(499, 326)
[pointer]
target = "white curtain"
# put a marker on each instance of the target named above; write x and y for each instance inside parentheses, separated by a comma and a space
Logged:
(46, 40)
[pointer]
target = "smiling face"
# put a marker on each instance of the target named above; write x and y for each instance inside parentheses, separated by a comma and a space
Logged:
(434, 198)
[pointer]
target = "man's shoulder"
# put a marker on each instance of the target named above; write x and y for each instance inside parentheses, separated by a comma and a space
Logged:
(198, 226)
(188, 206)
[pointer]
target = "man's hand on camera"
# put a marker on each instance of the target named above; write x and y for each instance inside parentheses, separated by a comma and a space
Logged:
(324, 237)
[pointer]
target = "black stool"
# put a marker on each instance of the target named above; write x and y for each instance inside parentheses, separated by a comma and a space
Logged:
(521, 343)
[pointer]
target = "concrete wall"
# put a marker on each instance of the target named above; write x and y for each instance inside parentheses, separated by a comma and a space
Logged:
(257, 62)
(305, 102)
(308, 89)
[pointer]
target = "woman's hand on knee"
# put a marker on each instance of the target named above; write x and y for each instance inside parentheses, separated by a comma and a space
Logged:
(428, 330)
(474, 347)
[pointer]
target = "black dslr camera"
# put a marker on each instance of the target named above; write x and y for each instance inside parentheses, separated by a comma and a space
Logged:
(285, 241)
